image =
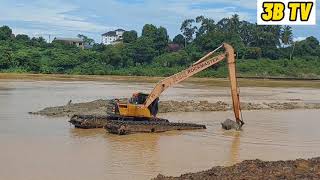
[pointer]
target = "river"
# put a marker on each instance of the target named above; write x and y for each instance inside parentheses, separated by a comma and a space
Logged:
(37, 147)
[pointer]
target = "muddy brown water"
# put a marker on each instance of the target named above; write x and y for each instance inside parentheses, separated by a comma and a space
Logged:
(37, 147)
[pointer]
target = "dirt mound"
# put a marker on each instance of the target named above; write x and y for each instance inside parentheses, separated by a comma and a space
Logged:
(257, 169)
(192, 106)
(97, 107)
(101, 107)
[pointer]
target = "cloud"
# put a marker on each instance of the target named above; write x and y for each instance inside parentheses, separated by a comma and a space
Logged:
(49, 14)
(167, 13)
(299, 39)
(94, 17)
(183, 9)
(236, 3)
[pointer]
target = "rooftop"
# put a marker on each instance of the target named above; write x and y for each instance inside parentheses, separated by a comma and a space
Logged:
(68, 39)
(113, 33)
(110, 33)
(120, 30)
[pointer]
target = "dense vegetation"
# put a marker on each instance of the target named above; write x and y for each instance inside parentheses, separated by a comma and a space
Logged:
(261, 51)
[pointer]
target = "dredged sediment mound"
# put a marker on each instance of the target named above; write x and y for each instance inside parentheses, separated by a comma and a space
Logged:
(257, 169)
(101, 107)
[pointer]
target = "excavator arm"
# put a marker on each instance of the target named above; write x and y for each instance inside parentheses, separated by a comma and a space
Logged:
(202, 64)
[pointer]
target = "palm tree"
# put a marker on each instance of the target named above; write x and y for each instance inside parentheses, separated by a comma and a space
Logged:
(286, 35)
(234, 23)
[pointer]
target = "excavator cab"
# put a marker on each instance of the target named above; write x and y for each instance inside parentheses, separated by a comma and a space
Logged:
(138, 98)
(134, 107)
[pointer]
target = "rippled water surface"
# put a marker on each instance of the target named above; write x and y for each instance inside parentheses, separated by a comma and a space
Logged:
(35, 147)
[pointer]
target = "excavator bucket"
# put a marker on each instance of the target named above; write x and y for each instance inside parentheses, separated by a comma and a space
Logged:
(230, 124)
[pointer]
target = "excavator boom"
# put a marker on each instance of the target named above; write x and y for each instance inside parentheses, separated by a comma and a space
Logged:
(177, 78)
(202, 64)
(233, 83)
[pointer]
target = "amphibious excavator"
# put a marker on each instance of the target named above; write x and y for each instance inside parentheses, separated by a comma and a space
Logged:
(139, 113)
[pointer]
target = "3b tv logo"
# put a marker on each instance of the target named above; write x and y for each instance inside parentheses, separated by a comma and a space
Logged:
(286, 12)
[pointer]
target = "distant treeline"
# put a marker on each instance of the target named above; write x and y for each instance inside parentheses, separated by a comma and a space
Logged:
(261, 51)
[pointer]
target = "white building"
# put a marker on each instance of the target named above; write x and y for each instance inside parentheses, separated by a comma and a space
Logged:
(112, 37)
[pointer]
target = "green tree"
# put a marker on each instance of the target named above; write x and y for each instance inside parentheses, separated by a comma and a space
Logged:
(158, 36)
(286, 35)
(268, 39)
(63, 60)
(114, 56)
(230, 25)
(149, 30)
(247, 33)
(99, 47)
(85, 39)
(6, 57)
(22, 38)
(252, 53)
(234, 23)
(258, 46)
(130, 36)
(179, 39)
(27, 59)
(188, 29)
(161, 40)
(206, 25)
(307, 47)
(268, 36)
(214, 39)
(224, 24)
(312, 42)
(172, 59)
(38, 42)
(5, 33)
(143, 50)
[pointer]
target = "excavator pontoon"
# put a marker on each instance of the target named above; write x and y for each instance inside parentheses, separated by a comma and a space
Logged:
(139, 113)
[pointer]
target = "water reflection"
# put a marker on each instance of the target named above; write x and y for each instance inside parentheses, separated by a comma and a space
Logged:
(235, 146)
(138, 154)
(86, 133)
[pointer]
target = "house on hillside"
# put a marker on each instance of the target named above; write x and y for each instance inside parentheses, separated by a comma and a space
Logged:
(71, 41)
(113, 37)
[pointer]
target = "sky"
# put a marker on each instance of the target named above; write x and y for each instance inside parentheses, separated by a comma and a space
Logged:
(67, 18)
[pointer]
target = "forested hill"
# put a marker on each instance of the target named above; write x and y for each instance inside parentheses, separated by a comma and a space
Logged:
(261, 51)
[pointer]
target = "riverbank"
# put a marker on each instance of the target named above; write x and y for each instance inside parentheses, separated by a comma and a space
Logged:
(222, 82)
(257, 169)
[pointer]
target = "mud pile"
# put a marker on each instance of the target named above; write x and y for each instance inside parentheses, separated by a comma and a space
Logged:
(192, 106)
(97, 107)
(101, 107)
(257, 169)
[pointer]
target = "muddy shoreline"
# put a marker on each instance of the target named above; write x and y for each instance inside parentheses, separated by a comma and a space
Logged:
(101, 107)
(221, 82)
(257, 169)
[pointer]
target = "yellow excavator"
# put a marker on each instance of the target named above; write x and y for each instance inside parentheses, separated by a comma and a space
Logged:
(144, 107)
